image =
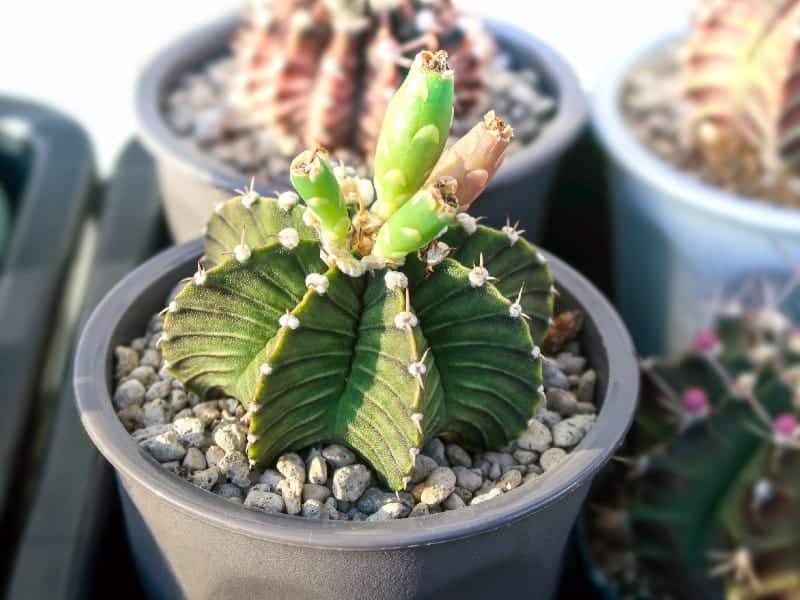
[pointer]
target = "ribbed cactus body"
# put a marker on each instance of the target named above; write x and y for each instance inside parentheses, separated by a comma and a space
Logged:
(381, 362)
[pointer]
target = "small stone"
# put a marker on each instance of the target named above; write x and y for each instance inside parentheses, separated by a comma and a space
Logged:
(156, 412)
(492, 493)
(165, 447)
(458, 456)
(438, 486)
(159, 389)
(178, 399)
(132, 417)
(207, 412)
(435, 450)
(483, 465)
(495, 471)
(521, 468)
(561, 401)
(536, 439)
(128, 393)
(292, 492)
(531, 476)
(150, 432)
(551, 458)
(271, 479)
(420, 510)
(268, 502)
(338, 456)
(175, 467)
(510, 480)
(469, 479)
(586, 387)
(139, 344)
(236, 467)
(453, 502)
(423, 466)
(332, 508)
(213, 455)
(314, 509)
(228, 490)
(356, 515)
(570, 432)
(464, 494)
(350, 481)
(390, 511)
(206, 478)
(194, 460)
(291, 466)
(145, 375)
(548, 417)
(127, 361)
(188, 425)
(571, 364)
(230, 437)
(317, 470)
(553, 376)
(525, 457)
(502, 459)
(585, 408)
(314, 491)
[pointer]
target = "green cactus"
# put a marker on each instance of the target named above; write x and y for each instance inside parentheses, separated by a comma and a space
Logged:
(380, 351)
(711, 507)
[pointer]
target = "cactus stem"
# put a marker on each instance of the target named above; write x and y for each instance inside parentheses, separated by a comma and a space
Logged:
(536, 352)
(289, 238)
(478, 276)
(287, 200)
(416, 418)
(511, 231)
(289, 320)
(317, 282)
(265, 369)
(249, 194)
(395, 280)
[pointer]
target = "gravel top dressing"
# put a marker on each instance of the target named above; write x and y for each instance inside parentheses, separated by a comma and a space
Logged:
(205, 444)
(657, 112)
(201, 113)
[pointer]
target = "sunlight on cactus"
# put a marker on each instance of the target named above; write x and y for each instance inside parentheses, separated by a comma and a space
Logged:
(374, 324)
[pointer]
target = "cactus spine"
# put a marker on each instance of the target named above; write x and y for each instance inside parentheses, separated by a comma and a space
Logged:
(329, 324)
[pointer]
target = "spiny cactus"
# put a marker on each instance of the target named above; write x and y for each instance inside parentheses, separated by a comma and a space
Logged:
(741, 75)
(308, 65)
(378, 327)
(705, 500)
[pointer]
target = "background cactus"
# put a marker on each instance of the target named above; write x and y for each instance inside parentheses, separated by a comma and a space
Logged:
(308, 65)
(741, 65)
(413, 322)
(705, 499)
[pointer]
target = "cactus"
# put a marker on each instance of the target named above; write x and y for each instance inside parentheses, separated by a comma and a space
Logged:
(710, 505)
(330, 324)
(308, 65)
(740, 75)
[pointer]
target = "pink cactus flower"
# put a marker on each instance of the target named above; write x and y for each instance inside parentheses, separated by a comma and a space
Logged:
(706, 341)
(695, 402)
(785, 426)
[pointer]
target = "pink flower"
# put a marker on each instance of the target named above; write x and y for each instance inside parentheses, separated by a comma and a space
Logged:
(695, 401)
(706, 341)
(785, 425)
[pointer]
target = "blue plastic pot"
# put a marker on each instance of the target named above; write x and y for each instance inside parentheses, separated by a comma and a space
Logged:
(678, 241)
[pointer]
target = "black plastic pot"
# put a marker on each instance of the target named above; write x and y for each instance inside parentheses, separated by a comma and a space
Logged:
(192, 182)
(189, 543)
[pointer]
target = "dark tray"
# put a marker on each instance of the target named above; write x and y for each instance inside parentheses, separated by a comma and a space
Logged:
(57, 555)
(47, 168)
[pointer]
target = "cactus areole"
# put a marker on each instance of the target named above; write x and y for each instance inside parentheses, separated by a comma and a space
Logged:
(377, 326)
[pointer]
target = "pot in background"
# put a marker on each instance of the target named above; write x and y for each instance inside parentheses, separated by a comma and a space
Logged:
(192, 182)
(188, 543)
(678, 242)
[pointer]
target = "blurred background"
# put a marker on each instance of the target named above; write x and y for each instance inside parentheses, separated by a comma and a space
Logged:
(88, 69)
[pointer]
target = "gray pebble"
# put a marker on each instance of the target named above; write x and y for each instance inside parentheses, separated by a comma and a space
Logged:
(139, 344)
(586, 408)
(271, 478)
(175, 467)
(338, 456)
(128, 393)
(492, 493)
(214, 455)
(333, 509)
(502, 459)
(435, 449)
(228, 490)
(420, 510)
(349, 482)
(495, 471)
(469, 479)
(356, 515)
(317, 470)
(156, 412)
(423, 466)
(438, 486)
(561, 401)
(537, 438)
(390, 511)
(177, 399)
(127, 361)
(509, 481)
(314, 491)
(207, 412)
(458, 456)
(571, 431)
(150, 432)
(145, 375)
(292, 492)
(230, 437)
(265, 501)
(372, 500)
(551, 458)
(194, 460)
(132, 417)
(453, 502)
(553, 377)
(206, 478)
(465, 494)
(314, 509)
(291, 466)
(236, 467)
(525, 457)
(586, 387)
(151, 358)
(521, 468)
(571, 364)
(165, 447)
(548, 417)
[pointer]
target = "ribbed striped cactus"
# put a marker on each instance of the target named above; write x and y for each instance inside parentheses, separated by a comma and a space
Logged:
(710, 504)
(376, 329)
(741, 73)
